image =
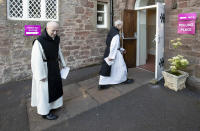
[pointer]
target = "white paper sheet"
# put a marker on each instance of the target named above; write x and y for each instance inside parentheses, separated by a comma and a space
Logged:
(64, 72)
(109, 62)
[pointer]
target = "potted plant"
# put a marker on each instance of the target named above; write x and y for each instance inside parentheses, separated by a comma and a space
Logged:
(175, 78)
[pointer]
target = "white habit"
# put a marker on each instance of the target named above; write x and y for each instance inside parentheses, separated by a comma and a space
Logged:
(39, 95)
(118, 68)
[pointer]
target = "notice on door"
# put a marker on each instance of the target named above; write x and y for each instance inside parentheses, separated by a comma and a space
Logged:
(186, 23)
(30, 30)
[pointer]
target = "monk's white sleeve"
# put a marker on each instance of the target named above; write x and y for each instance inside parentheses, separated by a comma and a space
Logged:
(113, 47)
(61, 57)
(37, 63)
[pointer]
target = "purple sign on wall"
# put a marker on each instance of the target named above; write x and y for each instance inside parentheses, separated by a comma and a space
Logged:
(186, 27)
(30, 30)
(186, 23)
(187, 16)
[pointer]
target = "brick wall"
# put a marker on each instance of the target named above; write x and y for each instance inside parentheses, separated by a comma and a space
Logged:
(81, 42)
(191, 43)
(118, 7)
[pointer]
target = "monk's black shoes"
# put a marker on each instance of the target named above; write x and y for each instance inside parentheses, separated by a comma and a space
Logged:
(101, 87)
(50, 116)
(128, 81)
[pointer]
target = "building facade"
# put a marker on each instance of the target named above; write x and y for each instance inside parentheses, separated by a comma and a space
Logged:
(191, 43)
(82, 42)
(83, 28)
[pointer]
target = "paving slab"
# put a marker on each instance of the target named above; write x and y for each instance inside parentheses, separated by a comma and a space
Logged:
(13, 98)
(84, 95)
(37, 123)
(145, 109)
(140, 76)
(79, 105)
(70, 109)
(71, 91)
(90, 83)
(102, 96)
(125, 88)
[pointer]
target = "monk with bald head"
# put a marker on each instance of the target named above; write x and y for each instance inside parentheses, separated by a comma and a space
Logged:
(47, 89)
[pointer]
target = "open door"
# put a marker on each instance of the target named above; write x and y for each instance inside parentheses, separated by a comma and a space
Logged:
(160, 20)
(129, 36)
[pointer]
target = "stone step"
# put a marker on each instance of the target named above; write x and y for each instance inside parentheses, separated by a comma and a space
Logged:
(83, 96)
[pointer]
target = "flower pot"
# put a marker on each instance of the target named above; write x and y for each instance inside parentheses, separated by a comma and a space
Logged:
(175, 82)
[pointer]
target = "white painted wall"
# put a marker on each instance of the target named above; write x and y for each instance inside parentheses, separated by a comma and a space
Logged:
(141, 38)
(151, 31)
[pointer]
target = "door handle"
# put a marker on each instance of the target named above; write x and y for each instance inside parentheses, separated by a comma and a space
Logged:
(135, 35)
(130, 38)
(157, 38)
(122, 35)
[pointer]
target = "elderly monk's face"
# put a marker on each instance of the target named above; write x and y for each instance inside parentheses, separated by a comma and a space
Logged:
(52, 30)
(119, 27)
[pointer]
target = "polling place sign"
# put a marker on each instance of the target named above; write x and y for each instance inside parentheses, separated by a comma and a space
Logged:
(30, 30)
(186, 23)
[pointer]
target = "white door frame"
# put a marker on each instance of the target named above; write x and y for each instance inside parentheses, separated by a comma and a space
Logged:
(141, 40)
(160, 41)
(138, 56)
(139, 9)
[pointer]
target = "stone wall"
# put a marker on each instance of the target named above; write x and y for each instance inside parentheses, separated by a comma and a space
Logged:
(81, 42)
(191, 43)
(118, 7)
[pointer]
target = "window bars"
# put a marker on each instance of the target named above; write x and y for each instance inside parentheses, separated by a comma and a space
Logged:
(36, 10)
(15, 8)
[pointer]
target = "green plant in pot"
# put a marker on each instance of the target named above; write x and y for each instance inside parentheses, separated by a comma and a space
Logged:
(174, 77)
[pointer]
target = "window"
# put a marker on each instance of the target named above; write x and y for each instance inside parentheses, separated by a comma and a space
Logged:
(38, 10)
(102, 15)
(153, 2)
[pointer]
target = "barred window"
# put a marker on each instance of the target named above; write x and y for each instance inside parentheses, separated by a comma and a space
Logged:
(102, 15)
(38, 10)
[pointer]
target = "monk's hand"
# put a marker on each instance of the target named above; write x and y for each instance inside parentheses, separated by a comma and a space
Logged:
(124, 51)
(43, 80)
(110, 59)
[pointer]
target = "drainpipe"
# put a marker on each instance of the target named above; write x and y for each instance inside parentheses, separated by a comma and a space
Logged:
(111, 12)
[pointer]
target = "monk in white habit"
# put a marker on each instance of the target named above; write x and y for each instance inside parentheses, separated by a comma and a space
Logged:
(47, 89)
(113, 69)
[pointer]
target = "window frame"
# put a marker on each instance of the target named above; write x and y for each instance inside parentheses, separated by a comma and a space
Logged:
(105, 15)
(25, 12)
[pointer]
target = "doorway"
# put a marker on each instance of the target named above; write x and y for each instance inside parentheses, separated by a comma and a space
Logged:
(149, 63)
(147, 40)
(145, 44)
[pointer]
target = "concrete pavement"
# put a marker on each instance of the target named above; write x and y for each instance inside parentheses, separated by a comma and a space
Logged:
(85, 104)
(147, 108)
(82, 96)
(14, 95)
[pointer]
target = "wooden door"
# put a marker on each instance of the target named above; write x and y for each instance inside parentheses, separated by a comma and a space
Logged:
(129, 36)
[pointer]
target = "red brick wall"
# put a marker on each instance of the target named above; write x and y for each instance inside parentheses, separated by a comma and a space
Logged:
(191, 43)
(82, 43)
(118, 7)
